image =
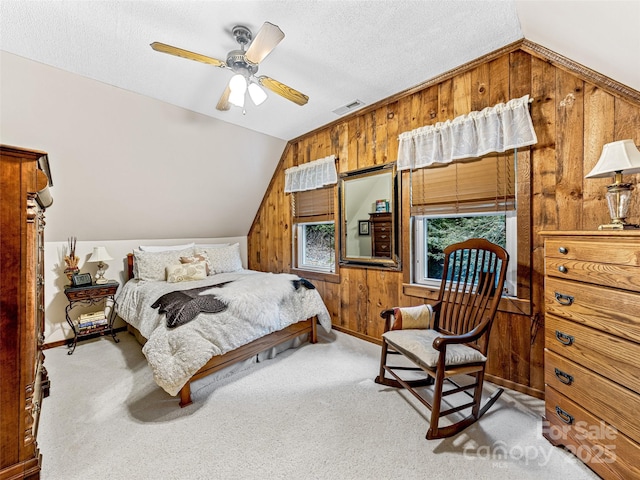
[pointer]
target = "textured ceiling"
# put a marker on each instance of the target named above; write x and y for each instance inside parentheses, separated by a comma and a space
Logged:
(334, 51)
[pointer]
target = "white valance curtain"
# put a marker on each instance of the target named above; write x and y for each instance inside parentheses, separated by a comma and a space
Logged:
(502, 127)
(312, 175)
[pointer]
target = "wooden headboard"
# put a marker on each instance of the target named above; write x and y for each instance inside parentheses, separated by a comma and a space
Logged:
(129, 266)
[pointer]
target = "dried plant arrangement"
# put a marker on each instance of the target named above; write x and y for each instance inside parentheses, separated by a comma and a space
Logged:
(71, 260)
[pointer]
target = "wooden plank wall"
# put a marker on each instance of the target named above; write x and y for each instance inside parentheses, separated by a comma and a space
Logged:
(572, 117)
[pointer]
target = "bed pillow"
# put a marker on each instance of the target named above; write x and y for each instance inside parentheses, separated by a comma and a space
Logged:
(198, 257)
(200, 246)
(151, 266)
(224, 259)
(186, 272)
(165, 248)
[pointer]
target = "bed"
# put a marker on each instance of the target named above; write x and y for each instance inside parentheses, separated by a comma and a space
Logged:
(198, 311)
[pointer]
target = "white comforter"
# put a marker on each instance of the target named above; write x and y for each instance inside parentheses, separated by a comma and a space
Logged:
(258, 304)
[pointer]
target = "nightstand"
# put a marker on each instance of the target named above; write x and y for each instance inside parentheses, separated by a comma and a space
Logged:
(87, 296)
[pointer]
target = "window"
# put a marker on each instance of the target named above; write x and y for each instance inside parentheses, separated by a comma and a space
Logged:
(433, 233)
(459, 201)
(316, 246)
(314, 230)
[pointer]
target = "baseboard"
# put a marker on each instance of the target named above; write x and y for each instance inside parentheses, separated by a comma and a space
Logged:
(534, 392)
(64, 342)
(366, 338)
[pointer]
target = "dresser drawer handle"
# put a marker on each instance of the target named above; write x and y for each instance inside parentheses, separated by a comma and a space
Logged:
(563, 250)
(564, 416)
(564, 377)
(562, 269)
(563, 299)
(563, 338)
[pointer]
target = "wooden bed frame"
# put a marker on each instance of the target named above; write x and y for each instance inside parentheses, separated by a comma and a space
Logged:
(244, 352)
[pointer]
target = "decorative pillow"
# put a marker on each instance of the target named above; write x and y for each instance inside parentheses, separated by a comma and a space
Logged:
(166, 248)
(198, 257)
(151, 266)
(224, 259)
(186, 272)
(412, 317)
(200, 246)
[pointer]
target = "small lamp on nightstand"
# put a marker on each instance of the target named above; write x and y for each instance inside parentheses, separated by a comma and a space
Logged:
(100, 255)
(617, 157)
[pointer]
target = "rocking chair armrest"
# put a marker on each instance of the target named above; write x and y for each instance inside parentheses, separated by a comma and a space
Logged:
(440, 343)
(387, 315)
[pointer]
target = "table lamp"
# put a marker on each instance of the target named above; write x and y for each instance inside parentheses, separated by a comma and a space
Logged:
(617, 157)
(100, 255)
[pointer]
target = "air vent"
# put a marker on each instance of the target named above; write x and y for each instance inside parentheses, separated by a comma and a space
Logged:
(349, 107)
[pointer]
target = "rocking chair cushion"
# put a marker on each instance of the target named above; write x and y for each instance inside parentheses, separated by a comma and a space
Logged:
(418, 346)
(412, 317)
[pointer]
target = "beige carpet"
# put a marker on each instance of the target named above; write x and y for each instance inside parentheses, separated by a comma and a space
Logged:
(310, 413)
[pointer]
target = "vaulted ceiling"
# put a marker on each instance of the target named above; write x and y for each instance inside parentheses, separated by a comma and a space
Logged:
(334, 51)
(71, 92)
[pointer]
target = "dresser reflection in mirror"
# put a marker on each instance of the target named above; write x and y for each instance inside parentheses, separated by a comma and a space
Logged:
(368, 217)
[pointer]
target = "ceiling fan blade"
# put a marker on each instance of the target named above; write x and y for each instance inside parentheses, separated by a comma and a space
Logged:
(265, 41)
(164, 48)
(223, 103)
(283, 90)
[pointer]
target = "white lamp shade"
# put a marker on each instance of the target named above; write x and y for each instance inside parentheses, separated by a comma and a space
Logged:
(100, 254)
(236, 98)
(238, 84)
(621, 156)
(257, 94)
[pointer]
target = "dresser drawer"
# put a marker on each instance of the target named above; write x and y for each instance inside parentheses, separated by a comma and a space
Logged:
(611, 357)
(602, 250)
(382, 228)
(607, 274)
(382, 236)
(582, 303)
(605, 399)
(609, 453)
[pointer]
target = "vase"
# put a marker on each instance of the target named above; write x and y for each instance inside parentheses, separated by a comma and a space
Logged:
(70, 272)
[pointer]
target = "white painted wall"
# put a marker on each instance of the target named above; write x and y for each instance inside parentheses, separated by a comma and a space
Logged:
(126, 167)
(56, 327)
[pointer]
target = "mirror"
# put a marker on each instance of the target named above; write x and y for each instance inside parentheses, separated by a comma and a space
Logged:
(369, 209)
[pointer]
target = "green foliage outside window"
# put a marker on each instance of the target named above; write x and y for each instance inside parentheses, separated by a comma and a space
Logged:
(319, 246)
(445, 231)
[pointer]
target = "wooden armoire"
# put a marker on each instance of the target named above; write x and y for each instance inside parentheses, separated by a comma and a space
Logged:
(24, 195)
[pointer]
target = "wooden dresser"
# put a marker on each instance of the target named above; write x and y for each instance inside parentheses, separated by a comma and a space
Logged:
(24, 195)
(592, 348)
(380, 234)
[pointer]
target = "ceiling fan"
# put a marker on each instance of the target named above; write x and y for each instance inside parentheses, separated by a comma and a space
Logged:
(244, 64)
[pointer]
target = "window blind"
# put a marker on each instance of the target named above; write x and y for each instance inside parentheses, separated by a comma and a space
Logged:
(313, 205)
(483, 185)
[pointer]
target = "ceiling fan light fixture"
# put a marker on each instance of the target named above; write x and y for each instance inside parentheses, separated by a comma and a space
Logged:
(243, 62)
(257, 94)
(236, 98)
(238, 84)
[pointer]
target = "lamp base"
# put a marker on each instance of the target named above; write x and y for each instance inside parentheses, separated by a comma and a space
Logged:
(619, 226)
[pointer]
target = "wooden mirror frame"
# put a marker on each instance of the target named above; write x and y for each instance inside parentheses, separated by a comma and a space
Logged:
(393, 261)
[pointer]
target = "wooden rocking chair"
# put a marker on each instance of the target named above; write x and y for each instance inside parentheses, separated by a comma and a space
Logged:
(450, 337)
